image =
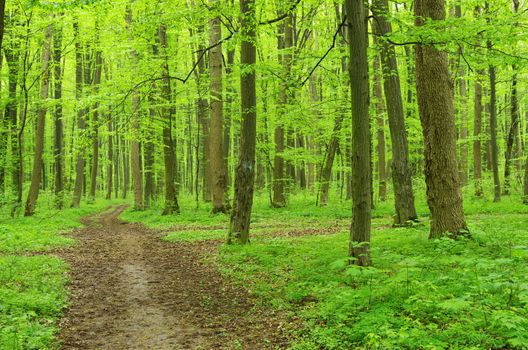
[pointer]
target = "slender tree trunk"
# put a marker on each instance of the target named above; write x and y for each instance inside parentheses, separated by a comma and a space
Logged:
(463, 112)
(437, 115)
(110, 155)
(512, 134)
(245, 171)
(216, 105)
(279, 178)
(231, 91)
(477, 129)
(361, 166)
(326, 171)
(400, 167)
(81, 121)
(149, 163)
(95, 126)
(169, 156)
(41, 123)
(12, 57)
(380, 132)
(58, 149)
(135, 153)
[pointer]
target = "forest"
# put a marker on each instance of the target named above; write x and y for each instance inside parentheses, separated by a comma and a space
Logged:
(263, 174)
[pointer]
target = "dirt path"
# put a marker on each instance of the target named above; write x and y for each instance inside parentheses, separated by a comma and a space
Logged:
(130, 290)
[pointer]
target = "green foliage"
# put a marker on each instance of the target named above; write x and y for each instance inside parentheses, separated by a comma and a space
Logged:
(420, 294)
(33, 286)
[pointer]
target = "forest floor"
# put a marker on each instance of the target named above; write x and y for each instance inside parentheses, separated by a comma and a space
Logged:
(131, 290)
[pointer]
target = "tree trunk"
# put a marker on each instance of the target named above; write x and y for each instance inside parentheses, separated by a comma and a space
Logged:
(41, 124)
(58, 149)
(169, 156)
(95, 127)
(279, 178)
(380, 132)
(463, 112)
(326, 171)
(513, 133)
(110, 160)
(437, 115)
(477, 129)
(135, 153)
(81, 121)
(361, 166)
(400, 167)
(245, 171)
(12, 56)
(216, 105)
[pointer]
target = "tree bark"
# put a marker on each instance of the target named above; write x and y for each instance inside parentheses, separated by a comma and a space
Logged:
(380, 132)
(477, 129)
(216, 105)
(110, 155)
(400, 167)
(245, 171)
(169, 156)
(326, 172)
(135, 155)
(285, 57)
(41, 124)
(437, 116)
(81, 121)
(95, 126)
(58, 149)
(361, 165)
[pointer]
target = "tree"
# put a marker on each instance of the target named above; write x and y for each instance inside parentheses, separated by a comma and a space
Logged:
(81, 121)
(401, 171)
(437, 116)
(59, 125)
(245, 171)
(477, 129)
(171, 198)
(285, 41)
(41, 123)
(361, 166)
(216, 140)
(493, 125)
(135, 156)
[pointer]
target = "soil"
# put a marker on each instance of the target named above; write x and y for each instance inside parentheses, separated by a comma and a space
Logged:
(131, 290)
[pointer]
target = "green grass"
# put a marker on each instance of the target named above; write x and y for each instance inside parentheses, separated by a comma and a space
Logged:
(420, 294)
(32, 283)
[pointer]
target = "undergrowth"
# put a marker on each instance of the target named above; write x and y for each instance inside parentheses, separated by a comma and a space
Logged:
(32, 281)
(420, 294)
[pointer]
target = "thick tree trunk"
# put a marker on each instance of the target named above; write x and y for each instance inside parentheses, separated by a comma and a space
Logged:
(216, 105)
(400, 167)
(81, 121)
(477, 129)
(169, 155)
(41, 123)
(245, 171)
(361, 166)
(58, 149)
(437, 115)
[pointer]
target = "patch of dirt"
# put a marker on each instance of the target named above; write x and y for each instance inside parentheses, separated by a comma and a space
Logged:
(131, 290)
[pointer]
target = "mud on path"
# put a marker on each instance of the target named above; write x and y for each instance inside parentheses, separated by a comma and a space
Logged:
(130, 290)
